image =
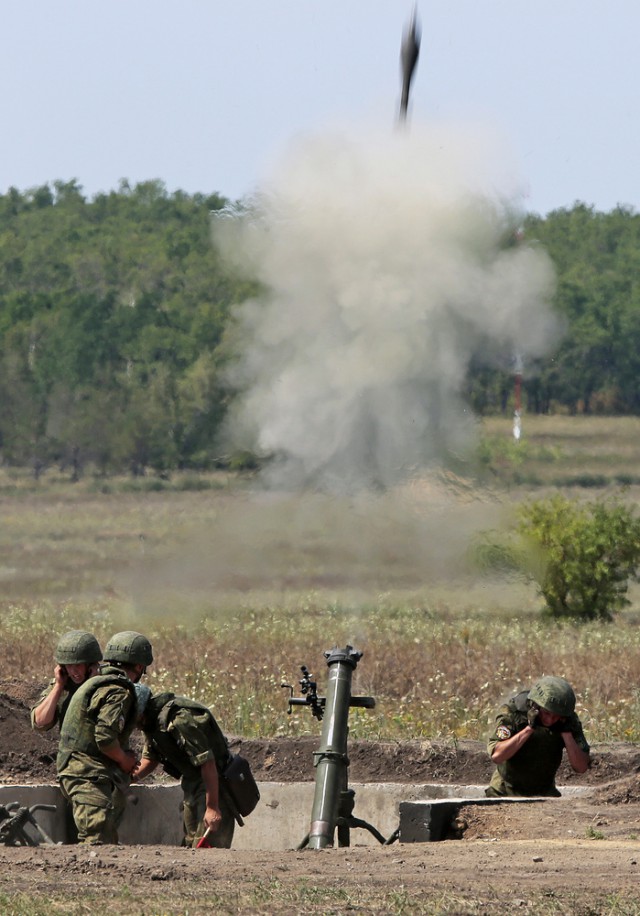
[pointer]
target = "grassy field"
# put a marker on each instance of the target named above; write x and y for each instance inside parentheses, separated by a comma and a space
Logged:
(238, 587)
(560, 451)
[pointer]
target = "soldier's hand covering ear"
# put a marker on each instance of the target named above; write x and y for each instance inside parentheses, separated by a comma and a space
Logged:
(568, 724)
(60, 675)
(532, 715)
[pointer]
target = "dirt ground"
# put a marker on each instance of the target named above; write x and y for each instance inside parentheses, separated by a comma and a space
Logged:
(567, 856)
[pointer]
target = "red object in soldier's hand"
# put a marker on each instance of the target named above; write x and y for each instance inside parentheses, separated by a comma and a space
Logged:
(203, 842)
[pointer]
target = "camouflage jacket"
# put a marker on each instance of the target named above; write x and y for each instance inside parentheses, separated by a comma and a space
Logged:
(182, 735)
(101, 712)
(61, 706)
(532, 770)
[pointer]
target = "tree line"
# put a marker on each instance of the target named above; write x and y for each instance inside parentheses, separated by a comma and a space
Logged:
(113, 313)
(595, 367)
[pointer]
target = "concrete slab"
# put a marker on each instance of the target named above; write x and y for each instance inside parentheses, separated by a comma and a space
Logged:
(428, 820)
(153, 817)
(280, 821)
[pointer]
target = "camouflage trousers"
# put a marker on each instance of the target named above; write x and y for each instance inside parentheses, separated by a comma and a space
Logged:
(194, 808)
(97, 806)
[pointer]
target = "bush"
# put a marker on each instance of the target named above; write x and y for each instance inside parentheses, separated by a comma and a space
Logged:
(582, 555)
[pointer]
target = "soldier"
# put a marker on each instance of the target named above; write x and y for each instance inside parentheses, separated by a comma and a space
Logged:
(184, 737)
(531, 731)
(77, 655)
(94, 759)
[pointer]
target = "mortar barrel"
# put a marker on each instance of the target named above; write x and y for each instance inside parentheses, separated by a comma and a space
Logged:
(331, 759)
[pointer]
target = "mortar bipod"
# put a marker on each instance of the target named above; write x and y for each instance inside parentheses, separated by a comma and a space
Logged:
(333, 801)
(13, 820)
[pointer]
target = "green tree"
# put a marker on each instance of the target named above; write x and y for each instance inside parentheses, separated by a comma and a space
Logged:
(597, 257)
(109, 310)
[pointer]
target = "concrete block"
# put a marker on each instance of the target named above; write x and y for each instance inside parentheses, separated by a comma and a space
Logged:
(282, 817)
(51, 821)
(428, 820)
(153, 816)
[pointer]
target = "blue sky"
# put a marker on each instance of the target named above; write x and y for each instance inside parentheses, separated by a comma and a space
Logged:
(206, 95)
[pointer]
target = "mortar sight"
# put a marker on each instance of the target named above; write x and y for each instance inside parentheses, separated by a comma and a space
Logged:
(310, 697)
(309, 688)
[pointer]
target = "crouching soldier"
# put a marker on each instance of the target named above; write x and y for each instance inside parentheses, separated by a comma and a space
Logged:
(531, 732)
(77, 656)
(94, 759)
(184, 737)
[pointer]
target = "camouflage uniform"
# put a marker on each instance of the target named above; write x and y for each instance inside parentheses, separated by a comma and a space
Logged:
(532, 770)
(60, 712)
(101, 712)
(61, 706)
(182, 735)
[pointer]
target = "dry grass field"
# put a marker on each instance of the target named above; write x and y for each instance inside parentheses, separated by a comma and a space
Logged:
(561, 451)
(238, 587)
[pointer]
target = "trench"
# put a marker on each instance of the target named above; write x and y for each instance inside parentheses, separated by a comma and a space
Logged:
(421, 813)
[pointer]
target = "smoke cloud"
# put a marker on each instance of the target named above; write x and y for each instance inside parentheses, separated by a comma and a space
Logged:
(387, 262)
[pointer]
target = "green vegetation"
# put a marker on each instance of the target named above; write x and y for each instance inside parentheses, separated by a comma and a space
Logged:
(582, 555)
(112, 313)
(115, 321)
(596, 365)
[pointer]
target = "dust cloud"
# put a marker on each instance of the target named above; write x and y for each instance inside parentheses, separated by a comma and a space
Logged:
(387, 263)
(266, 548)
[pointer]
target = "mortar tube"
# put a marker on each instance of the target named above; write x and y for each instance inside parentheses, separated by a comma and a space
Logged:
(331, 759)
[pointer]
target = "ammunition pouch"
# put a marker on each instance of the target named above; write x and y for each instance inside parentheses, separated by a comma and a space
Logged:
(237, 780)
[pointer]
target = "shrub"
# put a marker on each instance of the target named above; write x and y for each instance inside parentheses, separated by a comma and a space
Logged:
(582, 555)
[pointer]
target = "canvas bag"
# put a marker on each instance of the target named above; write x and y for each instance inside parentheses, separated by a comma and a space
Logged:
(239, 783)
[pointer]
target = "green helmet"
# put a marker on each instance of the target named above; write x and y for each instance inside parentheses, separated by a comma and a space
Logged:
(130, 648)
(78, 648)
(554, 694)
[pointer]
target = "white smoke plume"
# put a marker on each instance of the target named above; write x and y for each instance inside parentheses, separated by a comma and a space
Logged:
(386, 269)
